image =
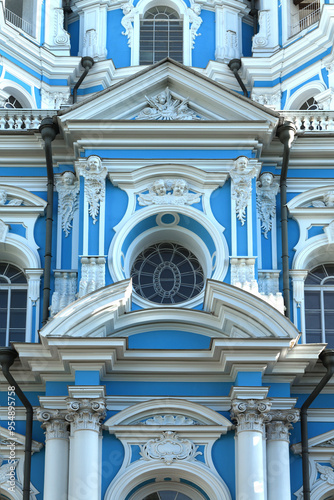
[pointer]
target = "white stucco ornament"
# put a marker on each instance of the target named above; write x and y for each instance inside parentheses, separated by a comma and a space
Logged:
(241, 191)
(68, 190)
(267, 189)
(165, 107)
(169, 420)
(3, 231)
(168, 192)
(95, 175)
(169, 448)
(327, 200)
(13, 202)
(326, 473)
(6, 469)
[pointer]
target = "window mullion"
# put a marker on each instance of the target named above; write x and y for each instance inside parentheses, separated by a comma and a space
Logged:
(322, 315)
(8, 316)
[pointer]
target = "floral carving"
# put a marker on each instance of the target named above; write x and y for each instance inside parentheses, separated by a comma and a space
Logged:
(85, 413)
(241, 177)
(168, 192)
(250, 414)
(68, 190)
(54, 423)
(169, 420)
(267, 189)
(326, 473)
(94, 175)
(165, 107)
(127, 21)
(169, 448)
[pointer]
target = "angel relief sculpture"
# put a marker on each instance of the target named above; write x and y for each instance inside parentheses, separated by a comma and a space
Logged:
(165, 107)
(168, 192)
(241, 176)
(68, 190)
(328, 200)
(267, 189)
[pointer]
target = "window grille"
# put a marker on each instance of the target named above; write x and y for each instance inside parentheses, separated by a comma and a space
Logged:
(167, 495)
(161, 35)
(308, 13)
(13, 304)
(319, 305)
(167, 273)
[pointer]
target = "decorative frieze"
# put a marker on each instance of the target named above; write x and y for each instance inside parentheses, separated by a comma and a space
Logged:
(68, 190)
(250, 414)
(168, 192)
(85, 413)
(327, 200)
(326, 473)
(272, 101)
(65, 290)
(243, 272)
(241, 192)
(169, 420)
(54, 422)
(267, 189)
(165, 107)
(95, 175)
(92, 274)
(55, 99)
(169, 448)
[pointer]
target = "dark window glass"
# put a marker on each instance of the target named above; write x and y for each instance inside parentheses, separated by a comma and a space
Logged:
(13, 304)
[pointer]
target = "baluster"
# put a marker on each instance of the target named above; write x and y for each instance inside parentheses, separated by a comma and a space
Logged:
(2, 123)
(27, 122)
(36, 122)
(19, 122)
(11, 123)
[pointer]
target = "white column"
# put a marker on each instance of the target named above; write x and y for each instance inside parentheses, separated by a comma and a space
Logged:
(250, 416)
(56, 453)
(298, 279)
(86, 415)
(278, 460)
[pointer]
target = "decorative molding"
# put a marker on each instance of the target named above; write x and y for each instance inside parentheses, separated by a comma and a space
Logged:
(169, 448)
(269, 282)
(327, 200)
(250, 414)
(53, 100)
(6, 200)
(168, 192)
(54, 422)
(165, 107)
(127, 21)
(267, 189)
(261, 39)
(169, 420)
(61, 37)
(298, 278)
(92, 274)
(241, 177)
(85, 413)
(7, 470)
(90, 46)
(65, 290)
(95, 175)
(281, 422)
(195, 21)
(272, 101)
(68, 189)
(243, 272)
(4, 228)
(326, 472)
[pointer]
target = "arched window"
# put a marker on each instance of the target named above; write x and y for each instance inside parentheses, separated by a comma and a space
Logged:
(161, 35)
(310, 105)
(13, 304)
(319, 305)
(167, 495)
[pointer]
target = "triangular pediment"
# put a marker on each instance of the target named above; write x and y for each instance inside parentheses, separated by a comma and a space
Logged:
(188, 95)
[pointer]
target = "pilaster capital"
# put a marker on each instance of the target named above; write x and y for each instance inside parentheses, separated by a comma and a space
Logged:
(250, 414)
(54, 422)
(280, 423)
(86, 413)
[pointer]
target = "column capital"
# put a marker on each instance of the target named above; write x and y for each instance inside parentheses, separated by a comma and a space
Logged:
(54, 422)
(250, 414)
(280, 423)
(85, 413)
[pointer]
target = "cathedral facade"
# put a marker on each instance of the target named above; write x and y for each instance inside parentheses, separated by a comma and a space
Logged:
(167, 249)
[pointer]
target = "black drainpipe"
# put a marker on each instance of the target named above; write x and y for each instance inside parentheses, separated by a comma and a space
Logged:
(7, 357)
(86, 63)
(235, 65)
(48, 130)
(327, 358)
(286, 134)
(254, 13)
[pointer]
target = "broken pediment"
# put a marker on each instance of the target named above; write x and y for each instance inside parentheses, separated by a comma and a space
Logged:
(169, 91)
